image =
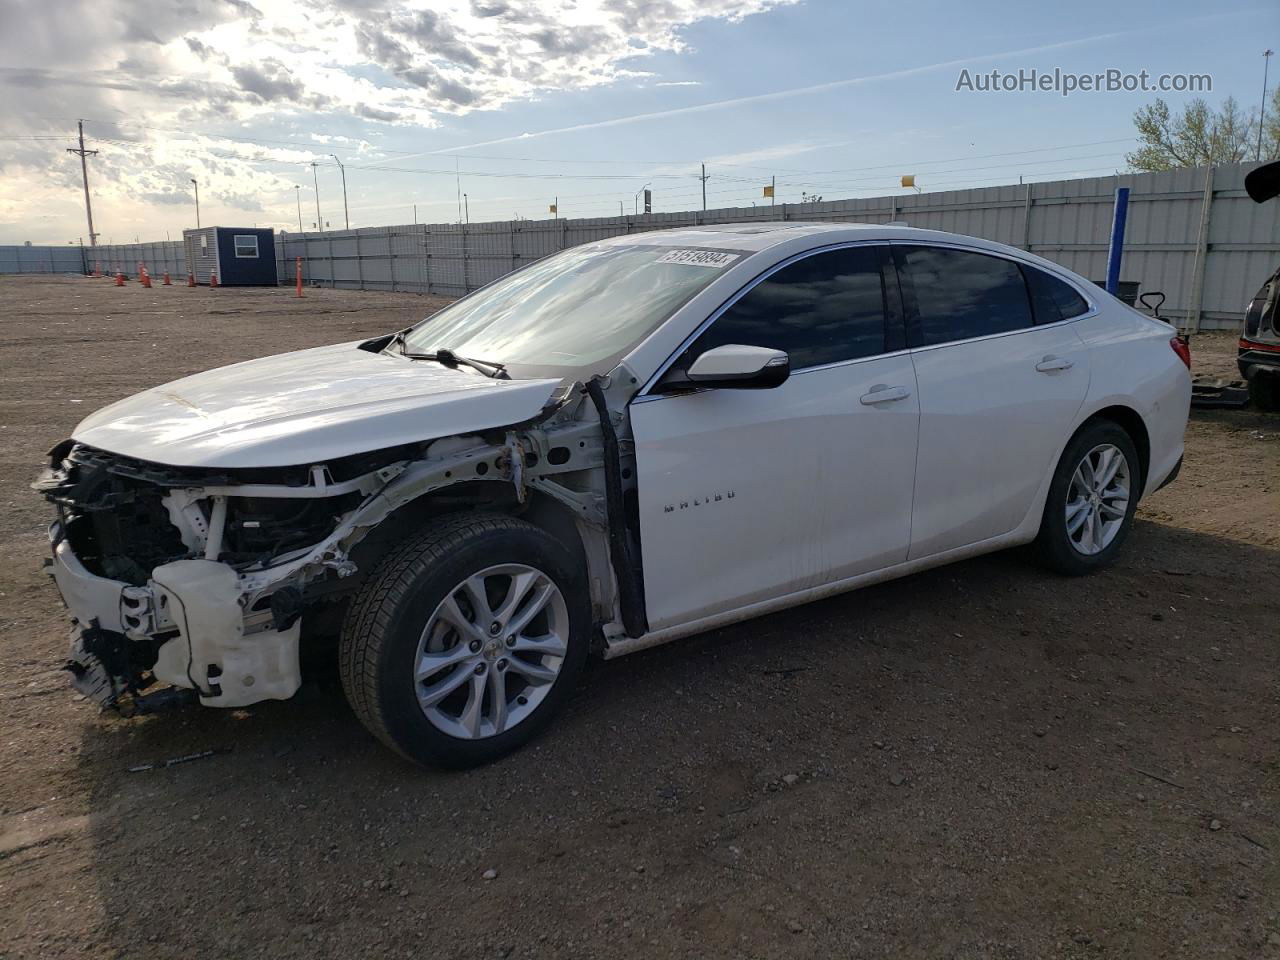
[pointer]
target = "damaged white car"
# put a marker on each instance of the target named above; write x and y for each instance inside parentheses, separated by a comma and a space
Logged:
(624, 443)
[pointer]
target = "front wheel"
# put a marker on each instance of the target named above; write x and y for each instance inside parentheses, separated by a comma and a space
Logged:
(466, 641)
(1091, 501)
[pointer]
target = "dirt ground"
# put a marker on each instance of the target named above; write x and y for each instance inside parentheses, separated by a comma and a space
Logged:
(983, 761)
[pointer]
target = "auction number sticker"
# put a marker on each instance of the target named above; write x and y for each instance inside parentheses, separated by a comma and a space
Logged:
(699, 258)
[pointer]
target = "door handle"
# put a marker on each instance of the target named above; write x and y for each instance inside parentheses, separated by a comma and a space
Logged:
(883, 393)
(1051, 363)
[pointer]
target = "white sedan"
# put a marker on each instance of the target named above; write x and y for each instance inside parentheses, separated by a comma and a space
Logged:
(622, 444)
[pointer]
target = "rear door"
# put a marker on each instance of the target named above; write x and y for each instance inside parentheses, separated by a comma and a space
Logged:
(1001, 373)
(748, 495)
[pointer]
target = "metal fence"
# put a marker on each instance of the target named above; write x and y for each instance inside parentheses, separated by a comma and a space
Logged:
(1193, 234)
(160, 257)
(32, 259)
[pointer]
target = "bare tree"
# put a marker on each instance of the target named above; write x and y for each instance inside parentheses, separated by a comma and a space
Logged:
(1271, 129)
(1197, 136)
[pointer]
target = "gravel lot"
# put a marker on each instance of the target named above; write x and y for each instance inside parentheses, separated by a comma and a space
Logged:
(980, 761)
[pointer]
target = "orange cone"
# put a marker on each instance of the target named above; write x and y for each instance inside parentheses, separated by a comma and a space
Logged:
(213, 279)
(97, 268)
(145, 278)
(166, 280)
(191, 279)
(119, 278)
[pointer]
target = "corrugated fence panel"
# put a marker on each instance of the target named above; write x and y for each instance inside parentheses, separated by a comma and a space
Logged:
(1066, 221)
(47, 259)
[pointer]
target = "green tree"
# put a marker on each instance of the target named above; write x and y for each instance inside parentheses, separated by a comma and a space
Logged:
(1200, 135)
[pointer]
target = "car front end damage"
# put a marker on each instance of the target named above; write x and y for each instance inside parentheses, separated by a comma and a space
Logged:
(199, 583)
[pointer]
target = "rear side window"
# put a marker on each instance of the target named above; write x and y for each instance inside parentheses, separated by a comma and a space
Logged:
(1052, 299)
(958, 295)
(823, 309)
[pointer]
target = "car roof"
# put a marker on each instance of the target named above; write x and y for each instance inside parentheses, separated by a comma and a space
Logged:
(754, 237)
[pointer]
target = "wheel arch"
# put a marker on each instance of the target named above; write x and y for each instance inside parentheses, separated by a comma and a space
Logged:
(480, 496)
(1131, 422)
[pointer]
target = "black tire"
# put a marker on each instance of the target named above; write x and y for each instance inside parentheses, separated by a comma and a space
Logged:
(386, 618)
(1264, 391)
(1053, 544)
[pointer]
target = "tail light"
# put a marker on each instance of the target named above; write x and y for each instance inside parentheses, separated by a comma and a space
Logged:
(1182, 347)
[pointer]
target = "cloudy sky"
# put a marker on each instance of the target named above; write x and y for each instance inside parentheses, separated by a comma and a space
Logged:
(519, 102)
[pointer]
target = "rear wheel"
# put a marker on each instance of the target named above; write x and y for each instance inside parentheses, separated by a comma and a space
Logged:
(466, 641)
(1091, 501)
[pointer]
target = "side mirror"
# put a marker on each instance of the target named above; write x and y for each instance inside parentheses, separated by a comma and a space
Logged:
(738, 367)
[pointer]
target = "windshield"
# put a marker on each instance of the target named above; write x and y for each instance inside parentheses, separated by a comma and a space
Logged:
(573, 314)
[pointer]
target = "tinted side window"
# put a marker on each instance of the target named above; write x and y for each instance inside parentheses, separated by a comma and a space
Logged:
(960, 294)
(1052, 299)
(822, 309)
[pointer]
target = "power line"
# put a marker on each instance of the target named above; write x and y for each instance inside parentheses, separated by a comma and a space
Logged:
(580, 160)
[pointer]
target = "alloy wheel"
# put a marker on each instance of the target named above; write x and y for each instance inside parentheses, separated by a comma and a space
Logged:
(1097, 499)
(491, 651)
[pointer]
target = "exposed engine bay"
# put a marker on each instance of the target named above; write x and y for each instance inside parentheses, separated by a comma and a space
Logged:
(209, 580)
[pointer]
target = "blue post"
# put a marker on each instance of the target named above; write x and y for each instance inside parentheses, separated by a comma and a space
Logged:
(1118, 216)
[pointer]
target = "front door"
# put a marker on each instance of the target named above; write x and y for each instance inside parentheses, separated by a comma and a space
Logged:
(748, 495)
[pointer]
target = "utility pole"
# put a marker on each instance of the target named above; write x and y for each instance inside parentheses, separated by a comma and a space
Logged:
(315, 180)
(773, 191)
(297, 193)
(84, 172)
(457, 182)
(1262, 110)
(703, 178)
(466, 206)
(346, 217)
(195, 183)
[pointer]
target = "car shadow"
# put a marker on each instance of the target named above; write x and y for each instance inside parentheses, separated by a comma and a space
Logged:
(294, 833)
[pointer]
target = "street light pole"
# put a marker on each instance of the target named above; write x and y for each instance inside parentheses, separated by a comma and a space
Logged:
(316, 181)
(196, 184)
(636, 198)
(297, 193)
(345, 216)
(1262, 110)
(466, 206)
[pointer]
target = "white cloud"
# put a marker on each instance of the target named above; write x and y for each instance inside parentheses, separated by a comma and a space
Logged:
(192, 65)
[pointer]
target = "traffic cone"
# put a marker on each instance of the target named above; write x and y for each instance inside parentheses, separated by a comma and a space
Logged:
(166, 280)
(191, 279)
(97, 268)
(213, 280)
(119, 278)
(145, 278)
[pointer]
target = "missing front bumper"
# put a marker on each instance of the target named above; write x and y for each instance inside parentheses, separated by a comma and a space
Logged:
(186, 628)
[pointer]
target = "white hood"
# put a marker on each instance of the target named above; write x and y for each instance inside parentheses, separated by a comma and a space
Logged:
(307, 407)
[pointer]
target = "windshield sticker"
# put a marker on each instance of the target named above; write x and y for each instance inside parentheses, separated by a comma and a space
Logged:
(699, 258)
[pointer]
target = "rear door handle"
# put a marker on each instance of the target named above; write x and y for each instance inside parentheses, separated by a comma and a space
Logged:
(883, 393)
(1051, 363)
